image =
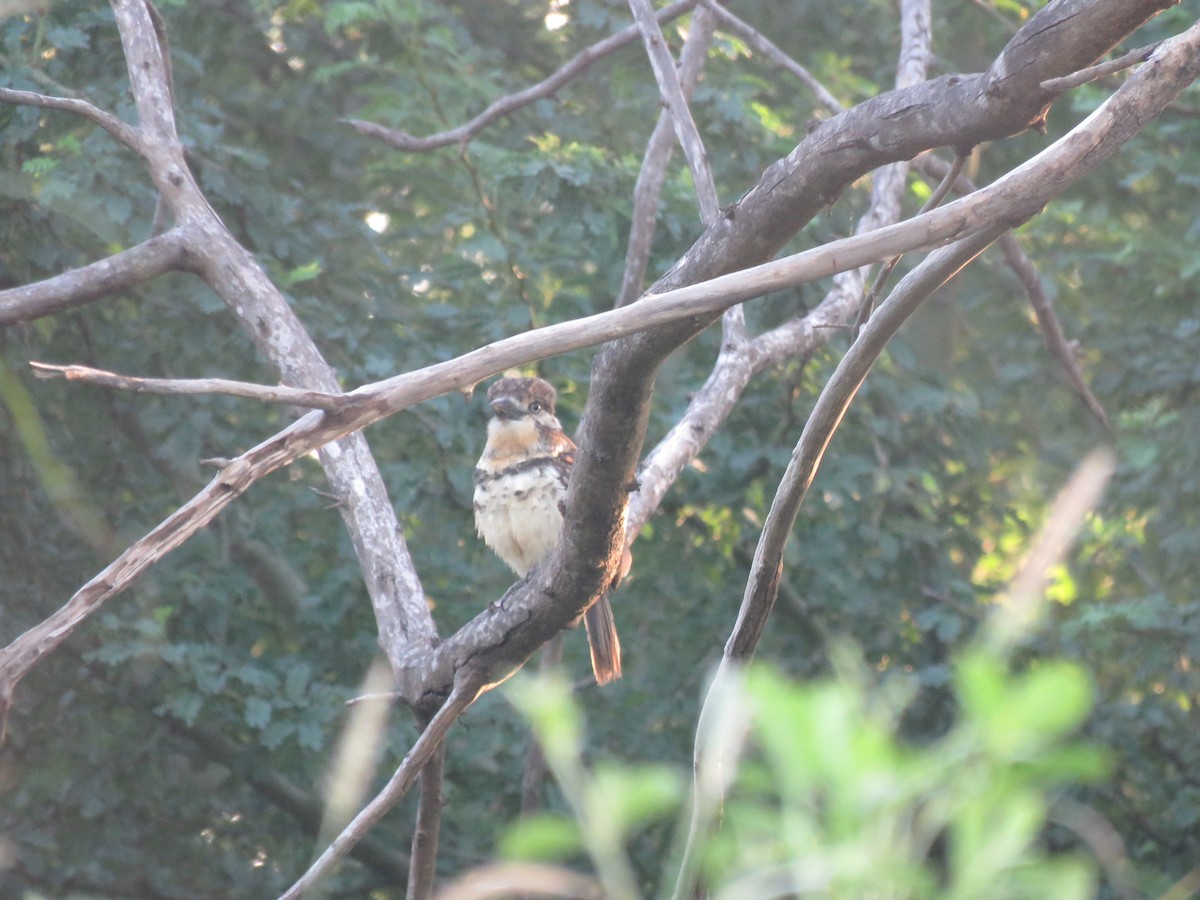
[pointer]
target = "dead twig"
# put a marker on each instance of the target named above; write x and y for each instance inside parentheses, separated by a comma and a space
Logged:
(192, 386)
(1091, 73)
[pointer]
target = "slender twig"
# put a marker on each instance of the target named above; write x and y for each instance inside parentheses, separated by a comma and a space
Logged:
(509, 104)
(771, 51)
(192, 386)
(466, 689)
(1091, 73)
(671, 93)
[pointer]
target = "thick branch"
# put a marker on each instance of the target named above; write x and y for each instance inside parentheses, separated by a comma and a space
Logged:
(463, 134)
(958, 111)
(157, 256)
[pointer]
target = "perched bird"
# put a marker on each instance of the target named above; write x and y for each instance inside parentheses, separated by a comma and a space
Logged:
(520, 494)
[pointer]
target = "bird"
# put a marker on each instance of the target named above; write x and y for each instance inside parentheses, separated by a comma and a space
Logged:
(520, 497)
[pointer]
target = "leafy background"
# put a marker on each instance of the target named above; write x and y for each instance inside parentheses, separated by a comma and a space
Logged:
(177, 746)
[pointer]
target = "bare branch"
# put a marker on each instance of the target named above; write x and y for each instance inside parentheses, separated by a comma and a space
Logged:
(1052, 331)
(763, 45)
(192, 386)
(490, 640)
(1091, 73)
(739, 360)
(673, 99)
(827, 414)
(505, 106)
(166, 253)
(425, 833)
(236, 277)
(653, 173)
(1043, 307)
(118, 128)
(467, 687)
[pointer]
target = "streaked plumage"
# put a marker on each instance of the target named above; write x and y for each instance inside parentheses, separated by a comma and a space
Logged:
(520, 491)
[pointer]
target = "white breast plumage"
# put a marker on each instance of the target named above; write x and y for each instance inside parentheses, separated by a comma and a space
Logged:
(518, 515)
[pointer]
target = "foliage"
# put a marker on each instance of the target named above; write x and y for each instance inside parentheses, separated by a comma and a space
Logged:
(823, 796)
(177, 746)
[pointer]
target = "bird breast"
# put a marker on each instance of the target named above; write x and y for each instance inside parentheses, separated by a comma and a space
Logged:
(517, 514)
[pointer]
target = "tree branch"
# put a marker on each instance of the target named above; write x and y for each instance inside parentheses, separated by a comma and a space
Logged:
(495, 640)
(1091, 73)
(191, 386)
(118, 128)
(827, 414)
(166, 253)
(234, 275)
(504, 106)
(425, 833)
(767, 48)
(653, 173)
(467, 687)
(673, 99)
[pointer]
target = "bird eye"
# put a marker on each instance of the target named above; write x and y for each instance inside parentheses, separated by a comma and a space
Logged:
(536, 406)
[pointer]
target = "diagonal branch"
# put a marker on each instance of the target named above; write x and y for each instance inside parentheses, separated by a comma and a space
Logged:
(168, 252)
(673, 99)
(653, 173)
(771, 51)
(467, 687)
(762, 587)
(117, 127)
(463, 134)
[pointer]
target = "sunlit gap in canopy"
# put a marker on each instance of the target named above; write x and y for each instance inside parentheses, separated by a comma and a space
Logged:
(555, 18)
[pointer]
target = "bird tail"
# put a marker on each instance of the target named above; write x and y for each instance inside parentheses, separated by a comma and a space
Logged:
(603, 642)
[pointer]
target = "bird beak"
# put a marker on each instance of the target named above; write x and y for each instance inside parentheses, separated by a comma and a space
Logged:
(507, 408)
